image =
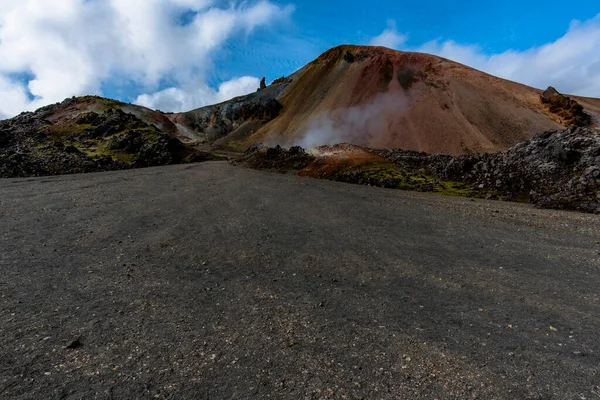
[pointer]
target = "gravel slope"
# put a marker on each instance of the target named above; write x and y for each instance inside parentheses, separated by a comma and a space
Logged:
(213, 282)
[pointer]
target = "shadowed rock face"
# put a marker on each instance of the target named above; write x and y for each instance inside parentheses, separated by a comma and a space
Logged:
(569, 110)
(237, 118)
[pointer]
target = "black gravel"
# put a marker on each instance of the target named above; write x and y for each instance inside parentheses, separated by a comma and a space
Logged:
(214, 282)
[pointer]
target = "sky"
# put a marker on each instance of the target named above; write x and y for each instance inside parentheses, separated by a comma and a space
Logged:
(176, 55)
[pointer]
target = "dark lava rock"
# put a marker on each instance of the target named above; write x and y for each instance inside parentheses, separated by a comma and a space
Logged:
(263, 84)
(282, 80)
(349, 57)
(114, 121)
(557, 169)
(129, 141)
(258, 111)
(71, 149)
(263, 157)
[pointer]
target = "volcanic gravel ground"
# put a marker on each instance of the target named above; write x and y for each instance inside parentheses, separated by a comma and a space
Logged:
(214, 282)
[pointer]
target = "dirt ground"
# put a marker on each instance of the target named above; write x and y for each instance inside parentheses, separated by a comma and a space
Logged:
(208, 281)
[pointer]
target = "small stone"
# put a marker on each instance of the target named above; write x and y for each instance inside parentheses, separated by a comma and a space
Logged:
(75, 344)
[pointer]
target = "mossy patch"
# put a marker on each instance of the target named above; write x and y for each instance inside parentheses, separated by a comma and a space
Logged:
(387, 175)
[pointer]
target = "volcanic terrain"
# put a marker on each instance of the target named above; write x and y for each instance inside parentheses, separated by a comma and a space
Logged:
(212, 281)
(371, 97)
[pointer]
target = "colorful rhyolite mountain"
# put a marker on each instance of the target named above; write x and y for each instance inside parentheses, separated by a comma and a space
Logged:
(377, 97)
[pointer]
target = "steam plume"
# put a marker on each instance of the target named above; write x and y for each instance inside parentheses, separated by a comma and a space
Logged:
(357, 125)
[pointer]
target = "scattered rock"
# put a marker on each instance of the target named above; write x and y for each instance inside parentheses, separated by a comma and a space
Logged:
(74, 344)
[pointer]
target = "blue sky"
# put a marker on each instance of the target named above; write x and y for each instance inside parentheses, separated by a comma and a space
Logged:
(181, 54)
(319, 25)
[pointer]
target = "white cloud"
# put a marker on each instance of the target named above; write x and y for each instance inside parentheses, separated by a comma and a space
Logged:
(13, 98)
(72, 47)
(390, 37)
(188, 97)
(571, 63)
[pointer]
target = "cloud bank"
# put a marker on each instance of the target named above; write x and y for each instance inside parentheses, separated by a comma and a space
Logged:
(571, 63)
(390, 37)
(50, 50)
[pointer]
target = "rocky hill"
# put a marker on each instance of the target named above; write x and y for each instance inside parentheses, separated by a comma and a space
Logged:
(89, 134)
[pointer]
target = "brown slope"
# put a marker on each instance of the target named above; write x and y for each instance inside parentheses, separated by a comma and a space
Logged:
(592, 107)
(407, 100)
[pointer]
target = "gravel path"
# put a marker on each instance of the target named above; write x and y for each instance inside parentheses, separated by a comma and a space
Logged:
(214, 282)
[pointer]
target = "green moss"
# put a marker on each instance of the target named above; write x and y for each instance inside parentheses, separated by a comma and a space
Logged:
(110, 103)
(95, 148)
(67, 130)
(388, 175)
(458, 189)
(122, 156)
(103, 103)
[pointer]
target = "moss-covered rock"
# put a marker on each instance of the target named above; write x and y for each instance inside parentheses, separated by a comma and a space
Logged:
(61, 139)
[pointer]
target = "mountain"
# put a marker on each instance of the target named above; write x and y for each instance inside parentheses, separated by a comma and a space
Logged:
(377, 97)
